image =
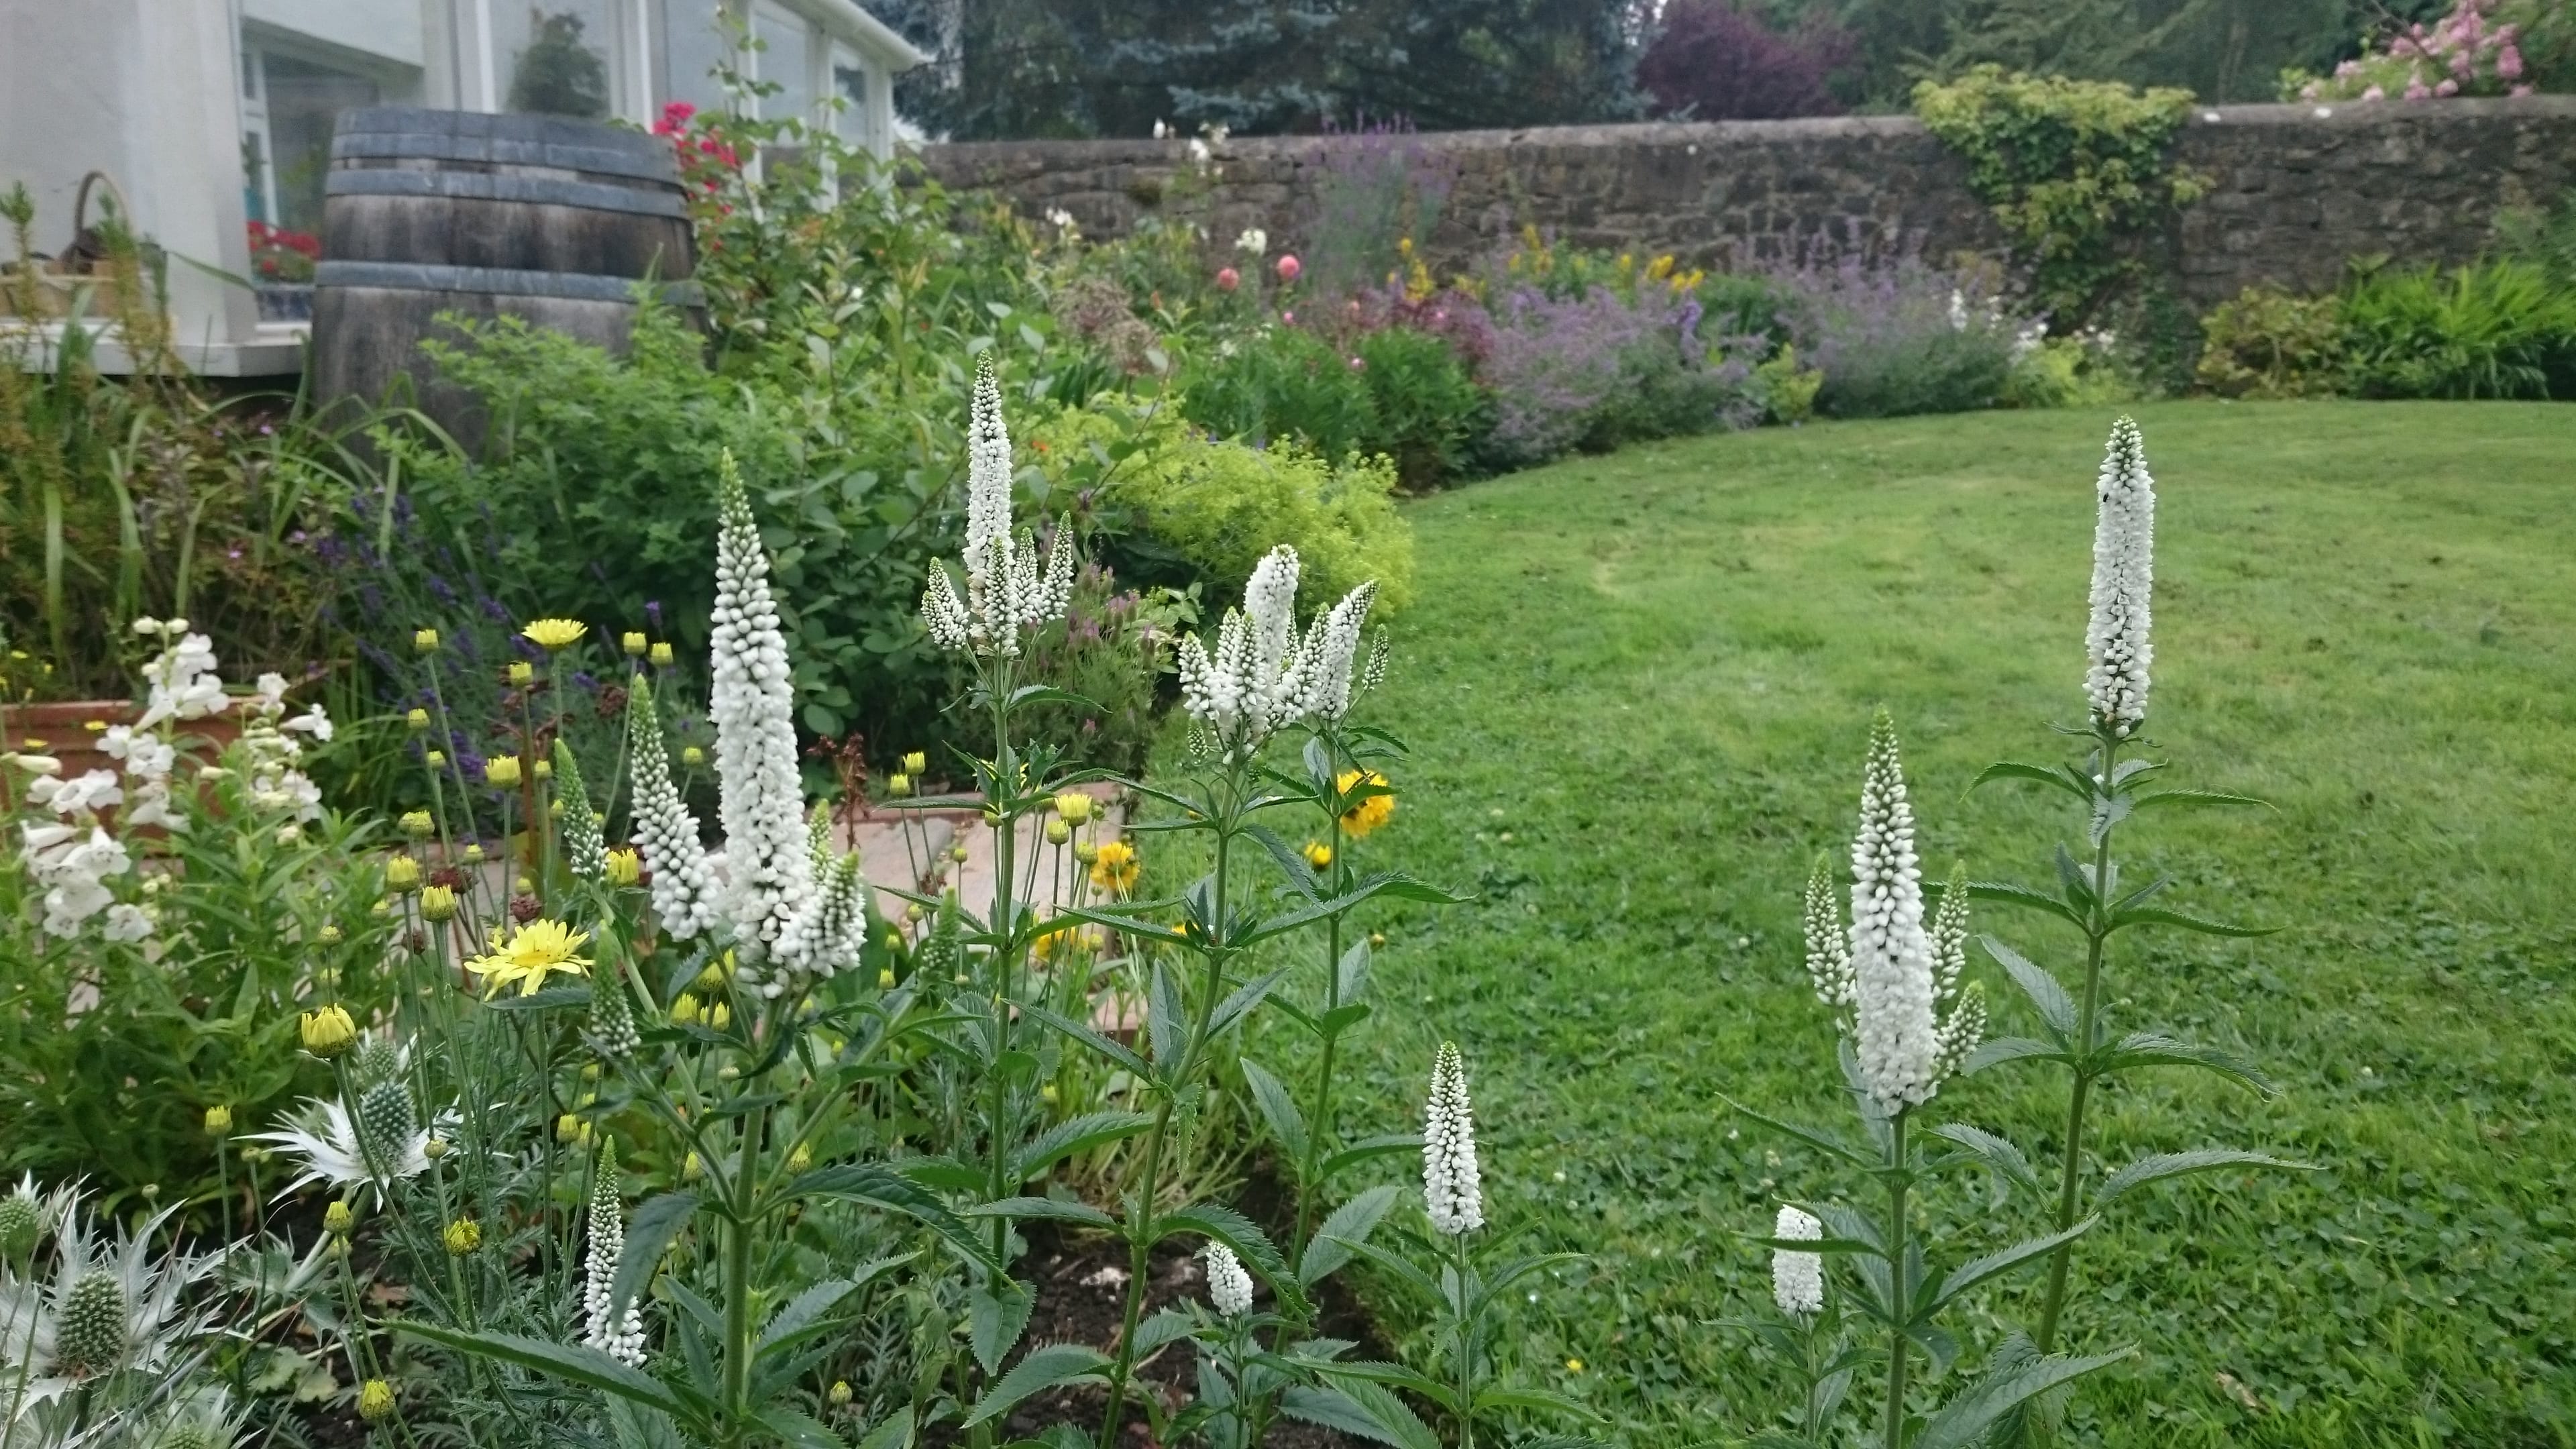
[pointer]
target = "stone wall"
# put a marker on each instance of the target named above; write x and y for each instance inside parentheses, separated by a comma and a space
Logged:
(2296, 189)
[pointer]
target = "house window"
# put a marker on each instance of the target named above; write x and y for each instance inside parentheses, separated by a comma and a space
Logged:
(558, 55)
(301, 100)
(851, 118)
(784, 59)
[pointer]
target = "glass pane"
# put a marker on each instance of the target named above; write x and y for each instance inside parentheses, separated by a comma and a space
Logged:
(303, 100)
(786, 61)
(557, 56)
(850, 87)
(695, 42)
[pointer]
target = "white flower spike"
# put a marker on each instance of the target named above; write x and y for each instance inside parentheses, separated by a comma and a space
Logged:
(1892, 968)
(1332, 655)
(1005, 589)
(1829, 959)
(761, 802)
(2116, 637)
(1256, 682)
(1797, 1279)
(620, 1335)
(1229, 1287)
(1452, 1190)
(684, 899)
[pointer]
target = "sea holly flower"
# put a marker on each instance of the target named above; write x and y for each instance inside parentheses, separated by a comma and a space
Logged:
(1006, 591)
(1892, 969)
(1797, 1279)
(761, 806)
(1452, 1190)
(108, 1307)
(370, 1149)
(2116, 640)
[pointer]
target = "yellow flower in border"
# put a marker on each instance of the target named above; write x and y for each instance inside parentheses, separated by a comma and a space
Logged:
(1370, 813)
(633, 643)
(437, 903)
(553, 634)
(327, 1032)
(464, 1236)
(622, 866)
(522, 672)
(532, 953)
(661, 654)
(375, 1401)
(1114, 867)
(1318, 854)
(501, 772)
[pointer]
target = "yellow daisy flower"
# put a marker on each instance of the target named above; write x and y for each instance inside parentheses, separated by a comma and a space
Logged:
(1370, 813)
(1114, 867)
(552, 634)
(535, 951)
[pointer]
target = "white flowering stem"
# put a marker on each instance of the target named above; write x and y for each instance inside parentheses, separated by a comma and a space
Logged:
(1319, 1129)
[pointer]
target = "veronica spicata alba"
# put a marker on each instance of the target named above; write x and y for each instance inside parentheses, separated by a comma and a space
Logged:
(1229, 1286)
(2116, 638)
(1452, 1191)
(761, 804)
(1331, 651)
(1829, 958)
(1898, 1038)
(1255, 682)
(620, 1335)
(683, 896)
(1797, 1279)
(1005, 588)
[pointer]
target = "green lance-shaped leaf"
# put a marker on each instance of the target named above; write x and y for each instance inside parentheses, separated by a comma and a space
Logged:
(2067, 780)
(1964, 1420)
(2051, 1000)
(875, 1186)
(1046, 1367)
(2022, 895)
(657, 1220)
(2004, 1160)
(2181, 920)
(997, 1312)
(1277, 1108)
(2176, 1164)
(2153, 1049)
(1075, 1135)
(1995, 1264)
(1380, 1415)
(1352, 1222)
(1249, 1243)
(586, 1366)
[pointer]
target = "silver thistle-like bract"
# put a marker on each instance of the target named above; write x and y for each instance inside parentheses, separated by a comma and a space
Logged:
(1893, 988)
(1229, 1286)
(761, 801)
(1007, 589)
(1797, 1279)
(1829, 959)
(684, 897)
(2117, 645)
(1331, 651)
(615, 1332)
(106, 1308)
(1452, 1191)
(1255, 681)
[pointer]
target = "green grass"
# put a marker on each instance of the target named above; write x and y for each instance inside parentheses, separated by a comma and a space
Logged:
(1637, 690)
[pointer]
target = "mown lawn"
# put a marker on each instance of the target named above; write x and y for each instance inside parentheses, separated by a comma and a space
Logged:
(1637, 689)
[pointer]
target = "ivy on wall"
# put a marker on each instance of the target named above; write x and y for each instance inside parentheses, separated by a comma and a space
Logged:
(2075, 170)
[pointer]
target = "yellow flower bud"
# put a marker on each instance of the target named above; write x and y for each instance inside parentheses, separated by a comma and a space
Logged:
(464, 1236)
(567, 1128)
(524, 885)
(328, 1032)
(219, 1120)
(684, 1010)
(554, 808)
(711, 978)
(1086, 852)
(435, 759)
(632, 643)
(691, 1169)
(424, 641)
(721, 1017)
(1318, 854)
(1047, 1093)
(914, 762)
(402, 873)
(840, 1395)
(898, 785)
(1057, 832)
(376, 1400)
(474, 853)
(623, 867)
(543, 769)
(661, 655)
(912, 912)
(338, 1220)
(434, 1149)
(418, 719)
(957, 853)
(885, 978)
(501, 772)
(522, 672)
(1073, 807)
(800, 1159)
(417, 823)
(692, 756)
(438, 903)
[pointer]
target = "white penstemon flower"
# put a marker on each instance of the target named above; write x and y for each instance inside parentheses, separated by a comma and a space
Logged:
(768, 874)
(620, 1335)
(684, 898)
(1797, 1279)
(2116, 636)
(1006, 590)
(1896, 1033)
(1452, 1189)
(1229, 1286)
(1255, 682)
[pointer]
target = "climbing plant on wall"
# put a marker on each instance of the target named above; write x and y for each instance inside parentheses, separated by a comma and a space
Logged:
(2077, 172)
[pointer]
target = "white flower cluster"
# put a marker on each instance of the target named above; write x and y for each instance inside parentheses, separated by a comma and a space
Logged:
(1959, 1005)
(1829, 960)
(1797, 1279)
(768, 874)
(2116, 641)
(1253, 241)
(1263, 677)
(1229, 1286)
(1006, 591)
(683, 898)
(269, 746)
(181, 680)
(1962, 1002)
(71, 859)
(1452, 1191)
(828, 934)
(620, 1335)
(1892, 970)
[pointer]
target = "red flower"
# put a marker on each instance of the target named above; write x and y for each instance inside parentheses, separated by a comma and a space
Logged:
(1227, 279)
(1289, 267)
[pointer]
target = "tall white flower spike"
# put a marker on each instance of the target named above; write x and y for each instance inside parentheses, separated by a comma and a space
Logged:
(1229, 1287)
(761, 804)
(1256, 681)
(1006, 590)
(2116, 640)
(1797, 1279)
(620, 1335)
(1452, 1190)
(1892, 969)
(684, 897)
(1332, 660)
(1829, 958)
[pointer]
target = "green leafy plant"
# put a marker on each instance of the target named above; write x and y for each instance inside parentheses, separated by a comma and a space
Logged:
(2266, 342)
(2076, 171)
(2497, 329)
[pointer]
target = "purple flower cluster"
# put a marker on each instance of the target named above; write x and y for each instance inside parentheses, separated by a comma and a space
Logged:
(1595, 369)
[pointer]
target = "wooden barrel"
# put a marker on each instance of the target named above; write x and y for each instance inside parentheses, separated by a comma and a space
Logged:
(541, 217)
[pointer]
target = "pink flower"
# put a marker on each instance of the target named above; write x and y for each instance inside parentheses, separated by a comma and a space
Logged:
(1289, 267)
(1359, 364)
(2509, 62)
(2308, 92)
(1227, 279)
(2375, 93)
(1288, 317)
(2347, 70)
(2447, 88)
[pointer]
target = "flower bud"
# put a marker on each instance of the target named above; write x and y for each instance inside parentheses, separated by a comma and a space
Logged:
(328, 1032)
(885, 978)
(338, 1220)
(376, 1400)
(1086, 852)
(543, 769)
(424, 641)
(1073, 807)
(434, 1149)
(20, 1226)
(957, 853)
(720, 1018)
(912, 912)
(463, 1237)
(402, 873)
(684, 1010)
(1318, 854)
(1057, 832)
(438, 903)
(522, 673)
(691, 1169)
(474, 852)
(622, 867)
(435, 759)
(501, 772)
(633, 643)
(840, 1394)
(554, 808)
(898, 785)
(416, 823)
(692, 756)
(661, 654)
(568, 1128)
(418, 719)
(800, 1159)
(914, 762)
(219, 1120)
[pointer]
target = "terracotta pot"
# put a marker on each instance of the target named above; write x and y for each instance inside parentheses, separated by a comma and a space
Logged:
(65, 728)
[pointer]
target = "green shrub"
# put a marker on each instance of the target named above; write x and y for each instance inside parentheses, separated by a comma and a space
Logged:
(2266, 343)
(1425, 410)
(1284, 383)
(1184, 508)
(2499, 329)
